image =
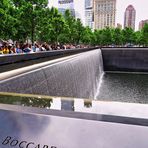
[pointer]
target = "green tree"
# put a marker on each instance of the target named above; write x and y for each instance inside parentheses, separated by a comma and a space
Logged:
(7, 18)
(29, 14)
(128, 35)
(145, 35)
(78, 34)
(87, 36)
(106, 36)
(137, 38)
(117, 36)
(72, 27)
(57, 23)
(98, 37)
(32, 19)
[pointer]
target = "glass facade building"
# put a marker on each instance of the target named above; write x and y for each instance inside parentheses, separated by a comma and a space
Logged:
(129, 17)
(66, 4)
(89, 14)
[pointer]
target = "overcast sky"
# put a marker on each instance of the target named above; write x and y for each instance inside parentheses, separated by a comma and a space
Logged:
(141, 7)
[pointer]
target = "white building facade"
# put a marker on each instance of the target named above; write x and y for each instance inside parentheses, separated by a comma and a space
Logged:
(104, 13)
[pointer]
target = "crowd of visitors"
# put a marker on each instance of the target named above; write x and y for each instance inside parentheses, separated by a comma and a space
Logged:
(10, 48)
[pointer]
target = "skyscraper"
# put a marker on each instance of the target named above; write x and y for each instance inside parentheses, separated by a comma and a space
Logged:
(104, 13)
(88, 3)
(66, 4)
(89, 13)
(142, 23)
(129, 17)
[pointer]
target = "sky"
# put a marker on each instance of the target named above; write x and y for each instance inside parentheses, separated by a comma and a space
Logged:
(141, 7)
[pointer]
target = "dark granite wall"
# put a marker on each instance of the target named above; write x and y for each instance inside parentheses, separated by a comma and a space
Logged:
(74, 77)
(125, 59)
(12, 58)
(78, 76)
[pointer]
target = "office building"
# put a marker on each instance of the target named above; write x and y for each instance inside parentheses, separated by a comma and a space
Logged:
(142, 23)
(129, 17)
(63, 5)
(104, 13)
(89, 15)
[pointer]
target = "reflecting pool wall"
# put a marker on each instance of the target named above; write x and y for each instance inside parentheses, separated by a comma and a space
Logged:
(109, 74)
(75, 77)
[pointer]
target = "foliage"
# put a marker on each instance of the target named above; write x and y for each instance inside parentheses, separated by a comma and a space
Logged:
(106, 36)
(87, 36)
(26, 101)
(145, 35)
(128, 35)
(24, 20)
(117, 36)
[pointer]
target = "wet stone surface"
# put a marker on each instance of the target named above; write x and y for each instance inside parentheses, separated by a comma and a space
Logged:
(19, 130)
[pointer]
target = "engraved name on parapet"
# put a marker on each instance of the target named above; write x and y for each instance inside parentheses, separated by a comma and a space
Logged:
(13, 142)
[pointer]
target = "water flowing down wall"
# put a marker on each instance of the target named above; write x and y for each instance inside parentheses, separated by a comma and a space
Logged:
(75, 77)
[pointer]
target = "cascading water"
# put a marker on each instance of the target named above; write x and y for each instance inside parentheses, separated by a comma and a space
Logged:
(78, 77)
(99, 86)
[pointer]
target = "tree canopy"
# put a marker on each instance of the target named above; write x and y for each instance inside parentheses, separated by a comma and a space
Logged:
(33, 20)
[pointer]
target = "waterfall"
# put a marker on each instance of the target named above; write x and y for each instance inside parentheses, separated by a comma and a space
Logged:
(77, 77)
